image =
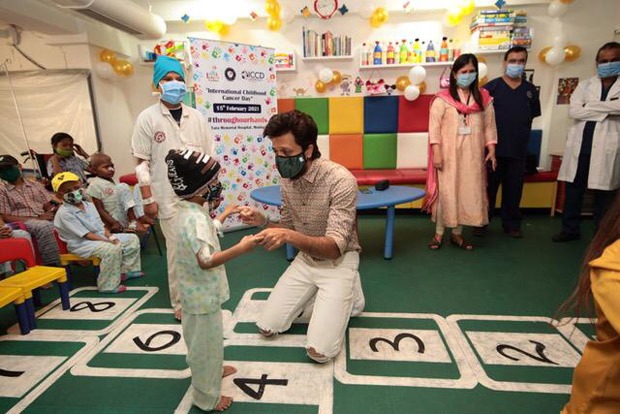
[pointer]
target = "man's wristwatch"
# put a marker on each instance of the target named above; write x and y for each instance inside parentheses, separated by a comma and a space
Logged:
(146, 201)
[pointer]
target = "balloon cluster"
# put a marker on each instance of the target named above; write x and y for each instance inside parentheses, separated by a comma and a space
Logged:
(560, 51)
(274, 22)
(483, 71)
(217, 27)
(327, 77)
(413, 85)
(110, 65)
(457, 12)
(378, 17)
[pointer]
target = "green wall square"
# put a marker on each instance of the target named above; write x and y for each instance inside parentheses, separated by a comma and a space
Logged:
(318, 109)
(379, 151)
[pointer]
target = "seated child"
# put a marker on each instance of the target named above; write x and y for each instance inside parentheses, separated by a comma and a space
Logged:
(115, 202)
(79, 225)
(64, 158)
(202, 276)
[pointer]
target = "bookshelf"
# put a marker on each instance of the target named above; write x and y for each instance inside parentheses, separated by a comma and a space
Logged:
(325, 46)
(318, 58)
(404, 65)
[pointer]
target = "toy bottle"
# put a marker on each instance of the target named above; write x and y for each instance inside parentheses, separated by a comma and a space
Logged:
(383, 53)
(450, 51)
(417, 52)
(390, 54)
(457, 50)
(364, 55)
(369, 54)
(421, 55)
(377, 54)
(430, 52)
(443, 50)
(404, 52)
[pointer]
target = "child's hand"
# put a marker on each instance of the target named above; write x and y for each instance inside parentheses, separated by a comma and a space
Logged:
(231, 209)
(116, 227)
(5, 232)
(251, 216)
(79, 150)
(248, 243)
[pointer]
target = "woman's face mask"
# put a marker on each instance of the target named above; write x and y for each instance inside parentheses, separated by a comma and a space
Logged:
(173, 91)
(291, 167)
(74, 197)
(11, 174)
(465, 79)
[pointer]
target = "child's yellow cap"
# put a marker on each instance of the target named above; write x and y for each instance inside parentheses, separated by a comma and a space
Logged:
(61, 178)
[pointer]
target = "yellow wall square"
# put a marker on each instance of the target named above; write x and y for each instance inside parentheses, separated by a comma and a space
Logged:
(346, 115)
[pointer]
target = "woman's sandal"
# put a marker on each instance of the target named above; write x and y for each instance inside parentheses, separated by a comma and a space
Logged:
(434, 244)
(460, 242)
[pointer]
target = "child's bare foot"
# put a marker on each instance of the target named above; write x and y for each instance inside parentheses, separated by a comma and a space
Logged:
(224, 403)
(228, 370)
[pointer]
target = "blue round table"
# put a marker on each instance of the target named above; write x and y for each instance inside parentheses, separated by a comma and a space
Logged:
(366, 200)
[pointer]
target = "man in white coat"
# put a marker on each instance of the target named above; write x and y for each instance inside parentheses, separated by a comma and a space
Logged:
(592, 154)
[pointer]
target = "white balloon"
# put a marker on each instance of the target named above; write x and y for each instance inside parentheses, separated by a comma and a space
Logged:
(326, 75)
(483, 70)
(104, 70)
(412, 93)
(555, 56)
(557, 9)
(417, 74)
(287, 15)
(559, 40)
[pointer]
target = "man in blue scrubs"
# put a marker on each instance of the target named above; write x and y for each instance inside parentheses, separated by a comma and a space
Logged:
(516, 104)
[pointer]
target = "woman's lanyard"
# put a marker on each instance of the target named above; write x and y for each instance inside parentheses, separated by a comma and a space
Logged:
(464, 128)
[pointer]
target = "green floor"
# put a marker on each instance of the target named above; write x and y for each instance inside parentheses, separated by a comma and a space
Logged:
(414, 292)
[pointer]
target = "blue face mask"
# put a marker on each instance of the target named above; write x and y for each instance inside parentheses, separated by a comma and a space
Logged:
(465, 79)
(514, 70)
(173, 92)
(607, 70)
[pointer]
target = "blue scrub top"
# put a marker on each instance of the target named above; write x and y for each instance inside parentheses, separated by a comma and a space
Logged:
(514, 111)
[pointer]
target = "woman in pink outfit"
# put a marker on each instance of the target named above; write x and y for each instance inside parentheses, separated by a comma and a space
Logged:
(461, 127)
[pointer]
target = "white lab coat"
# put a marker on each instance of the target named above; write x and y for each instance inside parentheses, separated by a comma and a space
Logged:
(586, 105)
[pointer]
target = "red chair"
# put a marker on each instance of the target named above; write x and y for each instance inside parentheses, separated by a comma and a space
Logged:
(22, 226)
(30, 280)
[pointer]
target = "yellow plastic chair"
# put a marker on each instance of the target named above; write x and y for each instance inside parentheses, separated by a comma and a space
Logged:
(16, 297)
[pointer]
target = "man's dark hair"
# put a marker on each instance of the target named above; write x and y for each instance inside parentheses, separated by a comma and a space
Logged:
(607, 46)
(59, 136)
(301, 125)
(515, 49)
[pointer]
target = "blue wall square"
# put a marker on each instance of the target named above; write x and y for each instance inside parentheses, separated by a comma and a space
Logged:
(380, 114)
(534, 144)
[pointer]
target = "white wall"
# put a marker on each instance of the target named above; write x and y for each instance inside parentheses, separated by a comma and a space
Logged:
(588, 24)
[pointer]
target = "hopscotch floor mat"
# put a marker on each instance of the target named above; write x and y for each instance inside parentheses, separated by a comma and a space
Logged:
(110, 354)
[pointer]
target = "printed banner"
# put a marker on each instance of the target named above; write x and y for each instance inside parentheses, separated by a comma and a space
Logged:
(235, 88)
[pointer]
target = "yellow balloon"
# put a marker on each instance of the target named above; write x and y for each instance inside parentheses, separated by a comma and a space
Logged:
(107, 56)
(481, 59)
(468, 7)
(320, 86)
(336, 78)
(381, 14)
(374, 22)
(402, 82)
(272, 9)
(483, 81)
(271, 2)
(122, 67)
(572, 52)
(274, 23)
(454, 18)
(543, 53)
(422, 87)
(566, 1)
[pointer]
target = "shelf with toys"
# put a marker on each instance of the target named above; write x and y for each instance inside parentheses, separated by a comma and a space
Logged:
(177, 49)
(405, 54)
(317, 58)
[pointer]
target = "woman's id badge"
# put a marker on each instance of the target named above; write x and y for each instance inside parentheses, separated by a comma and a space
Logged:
(464, 130)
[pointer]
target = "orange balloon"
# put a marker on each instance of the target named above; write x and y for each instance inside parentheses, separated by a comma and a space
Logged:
(483, 81)
(320, 86)
(402, 82)
(274, 23)
(572, 52)
(566, 1)
(422, 87)
(272, 9)
(107, 56)
(543, 53)
(481, 59)
(336, 78)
